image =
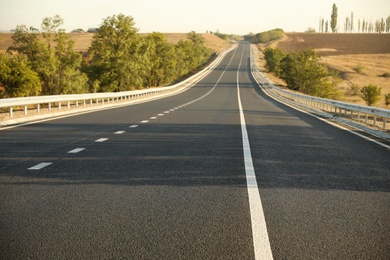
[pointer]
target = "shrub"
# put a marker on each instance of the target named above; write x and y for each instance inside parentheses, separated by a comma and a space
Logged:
(273, 58)
(354, 90)
(302, 72)
(387, 99)
(385, 75)
(371, 94)
(358, 69)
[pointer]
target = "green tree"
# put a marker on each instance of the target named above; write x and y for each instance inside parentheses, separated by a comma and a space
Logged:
(17, 79)
(116, 58)
(333, 19)
(371, 94)
(159, 60)
(52, 58)
(303, 73)
(273, 57)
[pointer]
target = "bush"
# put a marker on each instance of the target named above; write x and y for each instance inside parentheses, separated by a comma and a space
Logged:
(385, 75)
(371, 94)
(354, 90)
(273, 58)
(358, 69)
(302, 72)
(387, 99)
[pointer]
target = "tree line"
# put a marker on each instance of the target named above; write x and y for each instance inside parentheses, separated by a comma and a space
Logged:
(45, 63)
(264, 37)
(363, 26)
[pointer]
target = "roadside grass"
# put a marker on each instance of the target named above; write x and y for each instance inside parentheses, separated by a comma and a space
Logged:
(375, 66)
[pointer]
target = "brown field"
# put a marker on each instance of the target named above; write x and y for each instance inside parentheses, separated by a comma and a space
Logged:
(83, 40)
(345, 53)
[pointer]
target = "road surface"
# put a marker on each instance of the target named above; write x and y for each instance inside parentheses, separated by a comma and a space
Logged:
(220, 171)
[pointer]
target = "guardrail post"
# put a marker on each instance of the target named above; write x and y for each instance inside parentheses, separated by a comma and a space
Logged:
(59, 105)
(49, 106)
(25, 110)
(10, 112)
(39, 108)
(84, 103)
(68, 104)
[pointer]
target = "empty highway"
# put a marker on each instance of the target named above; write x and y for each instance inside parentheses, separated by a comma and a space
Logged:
(220, 171)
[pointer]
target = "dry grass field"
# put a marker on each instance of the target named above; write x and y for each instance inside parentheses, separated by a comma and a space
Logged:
(83, 40)
(361, 59)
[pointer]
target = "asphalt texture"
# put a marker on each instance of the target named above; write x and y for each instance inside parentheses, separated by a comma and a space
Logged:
(166, 180)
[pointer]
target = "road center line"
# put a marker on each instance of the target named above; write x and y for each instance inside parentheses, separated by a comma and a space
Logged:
(119, 132)
(77, 150)
(133, 126)
(261, 242)
(40, 166)
(101, 140)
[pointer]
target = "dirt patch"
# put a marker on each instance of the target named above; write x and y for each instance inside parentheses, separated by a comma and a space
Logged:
(343, 43)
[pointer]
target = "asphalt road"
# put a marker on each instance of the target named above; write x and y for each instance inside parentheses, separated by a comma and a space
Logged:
(170, 179)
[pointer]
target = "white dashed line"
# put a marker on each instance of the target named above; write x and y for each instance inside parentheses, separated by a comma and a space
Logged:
(77, 150)
(144, 121)
(101, 140)
(133, 126)
(166, 112)
(160, 114)
(40, 166)
(119, 132)
(153, 117)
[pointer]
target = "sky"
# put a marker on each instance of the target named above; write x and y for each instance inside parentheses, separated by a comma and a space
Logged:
(181, 16)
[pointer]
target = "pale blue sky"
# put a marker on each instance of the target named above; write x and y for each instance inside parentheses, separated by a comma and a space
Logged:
(233, 17)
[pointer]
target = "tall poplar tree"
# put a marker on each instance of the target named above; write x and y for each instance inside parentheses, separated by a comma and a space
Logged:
(333, 20)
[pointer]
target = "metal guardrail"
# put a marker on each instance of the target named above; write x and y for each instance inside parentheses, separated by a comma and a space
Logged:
(75, 100)
(369, 119)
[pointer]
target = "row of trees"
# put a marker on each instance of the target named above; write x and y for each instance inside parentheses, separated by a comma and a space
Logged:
(302, 72)
(119, 59)
(264, 37)
(363, 26)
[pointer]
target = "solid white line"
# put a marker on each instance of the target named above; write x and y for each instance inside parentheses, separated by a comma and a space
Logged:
(101, 140)
(40, 166)
(261, 242)
(119, 132)
(133, 126)
(77, 150)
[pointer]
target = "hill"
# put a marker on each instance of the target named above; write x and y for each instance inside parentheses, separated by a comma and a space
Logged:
(361, 59)
(83, 40)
